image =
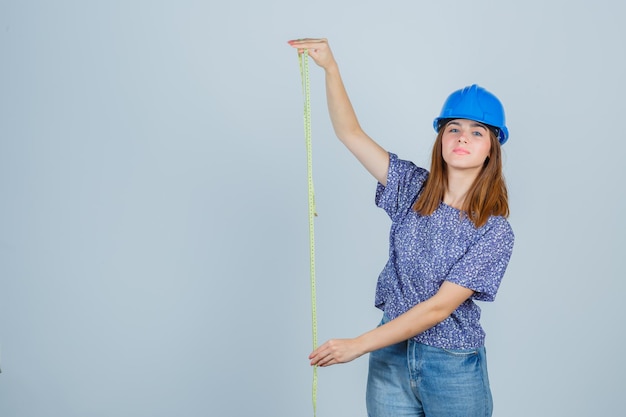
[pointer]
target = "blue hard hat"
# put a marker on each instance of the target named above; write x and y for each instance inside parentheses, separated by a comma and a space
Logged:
(475, 103)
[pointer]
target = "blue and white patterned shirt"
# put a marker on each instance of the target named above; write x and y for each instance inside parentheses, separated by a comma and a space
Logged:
(425, 251)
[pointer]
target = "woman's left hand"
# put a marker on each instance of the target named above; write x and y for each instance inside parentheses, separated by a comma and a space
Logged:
(336, 351)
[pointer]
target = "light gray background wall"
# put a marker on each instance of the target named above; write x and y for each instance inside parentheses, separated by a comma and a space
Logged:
(153, 229)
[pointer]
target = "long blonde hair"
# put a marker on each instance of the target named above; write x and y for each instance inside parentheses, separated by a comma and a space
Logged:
(486, 197)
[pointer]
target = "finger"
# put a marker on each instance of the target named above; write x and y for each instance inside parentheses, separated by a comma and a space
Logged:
(318, 351)
(308, 40)
(318, 361)
(314, 357)
(327, 361)
(321, 362)
(324, 357)
(317, 356)
(308, 44)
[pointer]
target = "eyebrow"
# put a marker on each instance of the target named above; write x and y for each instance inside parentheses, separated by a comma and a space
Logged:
(473, 124)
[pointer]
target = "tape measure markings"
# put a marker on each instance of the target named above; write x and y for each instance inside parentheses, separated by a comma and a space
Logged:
(306, 90)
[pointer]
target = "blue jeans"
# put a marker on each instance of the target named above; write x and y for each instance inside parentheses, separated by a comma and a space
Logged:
(413, 379)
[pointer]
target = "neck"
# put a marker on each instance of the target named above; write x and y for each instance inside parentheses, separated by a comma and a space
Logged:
(459, 183)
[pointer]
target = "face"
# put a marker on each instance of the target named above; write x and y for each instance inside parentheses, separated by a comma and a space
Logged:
(465, 145)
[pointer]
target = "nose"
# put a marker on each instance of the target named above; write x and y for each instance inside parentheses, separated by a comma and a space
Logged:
(462, 138)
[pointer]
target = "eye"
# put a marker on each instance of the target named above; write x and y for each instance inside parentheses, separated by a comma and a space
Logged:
(477, 133)
(453, 130)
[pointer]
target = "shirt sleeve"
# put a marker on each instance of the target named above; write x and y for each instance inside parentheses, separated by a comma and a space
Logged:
(482, 267)
(404, 182)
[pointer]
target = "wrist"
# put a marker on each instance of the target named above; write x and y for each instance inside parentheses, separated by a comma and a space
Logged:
(365, 343)
(332, 68)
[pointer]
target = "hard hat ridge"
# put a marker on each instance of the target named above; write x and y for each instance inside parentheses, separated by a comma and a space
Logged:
(475, 103)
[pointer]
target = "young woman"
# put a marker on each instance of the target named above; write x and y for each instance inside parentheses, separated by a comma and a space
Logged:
(450, 244)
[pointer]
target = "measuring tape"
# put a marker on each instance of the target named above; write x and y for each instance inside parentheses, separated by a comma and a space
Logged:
(306, 90)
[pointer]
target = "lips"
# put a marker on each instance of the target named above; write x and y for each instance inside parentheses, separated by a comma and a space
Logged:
(460, 151)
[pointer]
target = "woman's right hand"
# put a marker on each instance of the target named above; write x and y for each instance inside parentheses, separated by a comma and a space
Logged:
(373, 157)
(318, 49)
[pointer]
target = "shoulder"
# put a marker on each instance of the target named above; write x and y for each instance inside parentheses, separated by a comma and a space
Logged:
(404, 168)
(404, 182)
(499, 229)
(499, 223)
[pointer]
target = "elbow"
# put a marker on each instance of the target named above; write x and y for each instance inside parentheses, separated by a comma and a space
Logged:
(439, 313)
(350, 134)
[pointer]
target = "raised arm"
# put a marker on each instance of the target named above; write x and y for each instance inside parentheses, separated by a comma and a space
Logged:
(345, 123)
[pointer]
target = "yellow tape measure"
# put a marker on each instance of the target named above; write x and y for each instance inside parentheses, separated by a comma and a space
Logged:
(306, 90)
